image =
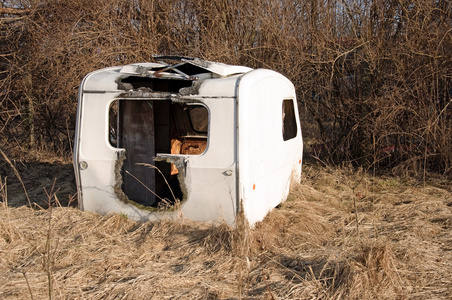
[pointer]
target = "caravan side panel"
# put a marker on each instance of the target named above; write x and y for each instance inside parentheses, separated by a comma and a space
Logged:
(270, 142)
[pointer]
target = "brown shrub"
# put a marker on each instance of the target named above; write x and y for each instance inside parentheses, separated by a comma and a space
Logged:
(373, 76)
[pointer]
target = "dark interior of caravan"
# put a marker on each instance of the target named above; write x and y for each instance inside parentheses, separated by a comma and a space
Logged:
(145, 128)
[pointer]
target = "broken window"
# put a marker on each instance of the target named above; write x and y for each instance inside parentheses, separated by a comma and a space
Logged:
(289, 128)
(146, 128)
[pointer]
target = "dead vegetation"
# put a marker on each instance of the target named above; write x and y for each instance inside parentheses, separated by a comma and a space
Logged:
(373, 78)
(373, 82)
(309, 248)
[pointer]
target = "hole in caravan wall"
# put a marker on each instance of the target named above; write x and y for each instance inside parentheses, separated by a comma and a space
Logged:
(145, 128)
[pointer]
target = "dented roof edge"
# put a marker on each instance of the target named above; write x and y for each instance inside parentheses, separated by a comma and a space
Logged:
(188, 69)
(213, 67)
(219, 68)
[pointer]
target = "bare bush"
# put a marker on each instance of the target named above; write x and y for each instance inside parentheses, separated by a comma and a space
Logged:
(373, 77)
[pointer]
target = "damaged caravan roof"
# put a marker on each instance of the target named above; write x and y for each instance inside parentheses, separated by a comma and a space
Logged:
(186, 137)
(187, 69)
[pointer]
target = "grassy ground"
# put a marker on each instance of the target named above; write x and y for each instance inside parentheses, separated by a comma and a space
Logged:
(311, 247)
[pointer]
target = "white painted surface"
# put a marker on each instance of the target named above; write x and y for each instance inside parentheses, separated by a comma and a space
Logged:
(266, 161)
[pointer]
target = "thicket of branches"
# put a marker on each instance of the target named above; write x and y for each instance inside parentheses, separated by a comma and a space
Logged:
(373, 78)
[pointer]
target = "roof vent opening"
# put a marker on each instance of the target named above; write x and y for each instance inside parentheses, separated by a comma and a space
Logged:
(155, 84)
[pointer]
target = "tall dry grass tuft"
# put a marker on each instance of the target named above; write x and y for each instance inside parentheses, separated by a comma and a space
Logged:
(9, 232)
(5, 157)
(220, 237)
(369, 272)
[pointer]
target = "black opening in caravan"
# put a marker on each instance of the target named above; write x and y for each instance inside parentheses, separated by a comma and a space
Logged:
(146, 128)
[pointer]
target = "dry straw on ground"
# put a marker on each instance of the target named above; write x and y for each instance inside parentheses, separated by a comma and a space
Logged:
(308, 248)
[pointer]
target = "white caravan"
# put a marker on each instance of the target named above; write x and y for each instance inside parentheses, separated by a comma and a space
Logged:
(188, 138)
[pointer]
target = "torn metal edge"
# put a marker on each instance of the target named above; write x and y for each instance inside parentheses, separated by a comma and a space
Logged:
(121, 157)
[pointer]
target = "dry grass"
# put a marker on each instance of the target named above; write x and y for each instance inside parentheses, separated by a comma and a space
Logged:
(308, 248)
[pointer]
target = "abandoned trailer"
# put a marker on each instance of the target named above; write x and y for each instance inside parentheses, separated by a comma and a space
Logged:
(188, 138)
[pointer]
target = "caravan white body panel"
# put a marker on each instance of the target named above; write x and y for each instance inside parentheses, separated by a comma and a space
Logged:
(268, 164)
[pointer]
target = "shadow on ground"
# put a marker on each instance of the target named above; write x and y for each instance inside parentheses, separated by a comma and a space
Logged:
(41, 180)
